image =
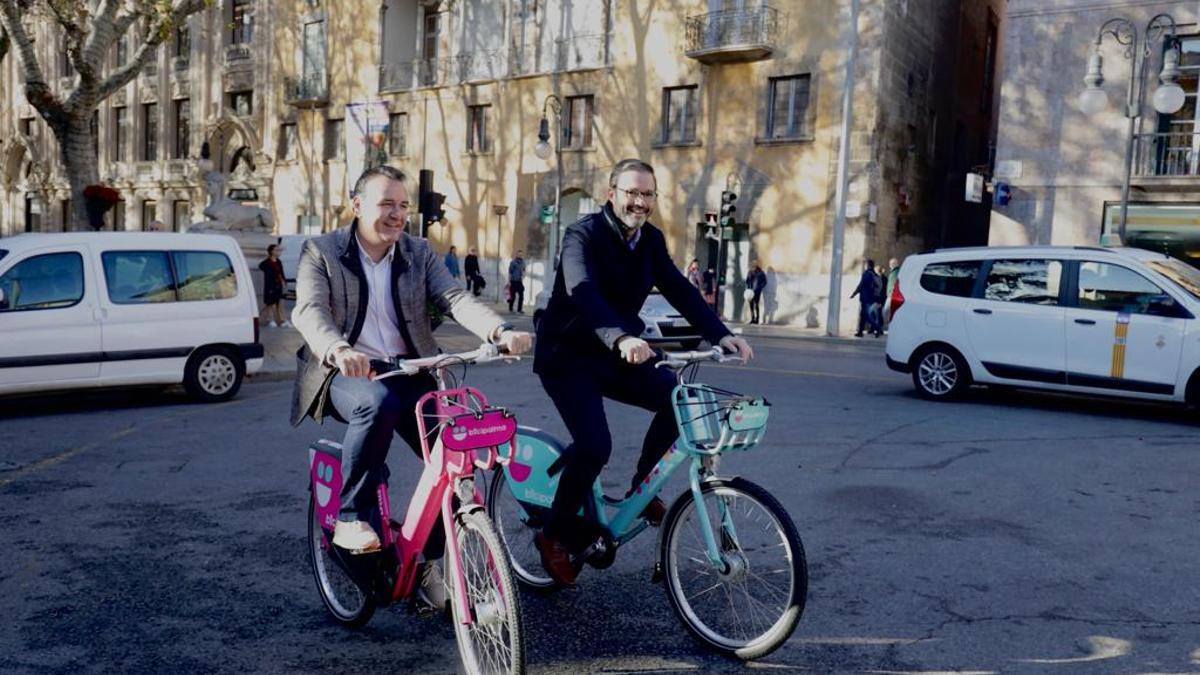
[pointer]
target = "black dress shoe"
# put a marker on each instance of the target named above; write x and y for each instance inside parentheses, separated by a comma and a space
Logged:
(655, 511)
(556, 560)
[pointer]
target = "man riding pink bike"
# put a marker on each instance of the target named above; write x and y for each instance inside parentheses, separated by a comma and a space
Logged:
(363, 294)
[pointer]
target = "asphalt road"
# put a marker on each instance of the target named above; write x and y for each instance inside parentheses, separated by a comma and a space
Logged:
(1012, 532)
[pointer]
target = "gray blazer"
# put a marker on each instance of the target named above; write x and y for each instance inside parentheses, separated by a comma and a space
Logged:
(331, 306)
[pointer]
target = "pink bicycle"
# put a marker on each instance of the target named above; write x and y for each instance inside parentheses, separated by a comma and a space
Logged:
(460, 433)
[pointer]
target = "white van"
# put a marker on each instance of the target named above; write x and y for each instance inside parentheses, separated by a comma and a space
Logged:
(97, 309)
(1109, 321)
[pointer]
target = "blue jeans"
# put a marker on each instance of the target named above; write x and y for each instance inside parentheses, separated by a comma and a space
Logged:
(374, 411)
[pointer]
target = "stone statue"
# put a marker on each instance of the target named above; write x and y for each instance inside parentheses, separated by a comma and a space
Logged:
(227, 214)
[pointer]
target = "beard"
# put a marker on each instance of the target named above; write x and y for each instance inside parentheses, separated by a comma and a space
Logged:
(634, 217)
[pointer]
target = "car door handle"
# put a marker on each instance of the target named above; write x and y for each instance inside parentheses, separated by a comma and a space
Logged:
(982, 311)
(1085, 322)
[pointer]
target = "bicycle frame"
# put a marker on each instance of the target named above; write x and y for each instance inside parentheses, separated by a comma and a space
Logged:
(465, 426)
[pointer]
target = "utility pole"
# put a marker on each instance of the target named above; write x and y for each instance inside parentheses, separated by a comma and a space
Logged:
(832, 321)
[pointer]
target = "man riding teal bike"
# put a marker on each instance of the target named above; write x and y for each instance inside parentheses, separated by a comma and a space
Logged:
(588, 346)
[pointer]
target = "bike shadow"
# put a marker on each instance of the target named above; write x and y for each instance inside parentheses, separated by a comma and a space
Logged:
(91, 400)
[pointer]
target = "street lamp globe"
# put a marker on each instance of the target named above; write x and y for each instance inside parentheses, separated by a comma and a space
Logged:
(1093, 100)
(1168, 98)
(543, 150)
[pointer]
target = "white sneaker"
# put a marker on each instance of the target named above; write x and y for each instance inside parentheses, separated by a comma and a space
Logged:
(286, 324)
(272, 324)
(356, 536)
(432, 589)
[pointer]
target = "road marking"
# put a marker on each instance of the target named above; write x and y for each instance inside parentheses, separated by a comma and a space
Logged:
(1102, 648)
(809, 373)
(63, 456)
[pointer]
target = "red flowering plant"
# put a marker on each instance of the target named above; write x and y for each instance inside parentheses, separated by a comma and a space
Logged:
(98, 199)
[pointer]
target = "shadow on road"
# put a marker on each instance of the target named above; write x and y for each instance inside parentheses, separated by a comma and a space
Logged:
(91, 400)
(1080, 404)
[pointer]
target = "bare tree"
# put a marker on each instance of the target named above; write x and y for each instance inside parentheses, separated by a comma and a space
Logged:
(89, 30)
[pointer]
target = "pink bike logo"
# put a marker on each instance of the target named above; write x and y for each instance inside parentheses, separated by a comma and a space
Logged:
(472, 432)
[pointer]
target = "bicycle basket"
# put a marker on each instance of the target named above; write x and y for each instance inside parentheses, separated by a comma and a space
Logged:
(713, 420)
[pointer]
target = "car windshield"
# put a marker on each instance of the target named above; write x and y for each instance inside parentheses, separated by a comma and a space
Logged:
(1186, 276)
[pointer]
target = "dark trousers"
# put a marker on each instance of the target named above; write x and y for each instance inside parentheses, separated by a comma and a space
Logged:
(374, 411)
(869, 318)
(579, 397)
(754, 305)
(516, 292)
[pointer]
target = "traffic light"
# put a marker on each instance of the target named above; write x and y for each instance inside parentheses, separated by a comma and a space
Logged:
(429, 203)
(726, 218)
(712, 230)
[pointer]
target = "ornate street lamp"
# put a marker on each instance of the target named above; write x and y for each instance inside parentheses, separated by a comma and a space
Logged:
(1167, 99)
(543, 150)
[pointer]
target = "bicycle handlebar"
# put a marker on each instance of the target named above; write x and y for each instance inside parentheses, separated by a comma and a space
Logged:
(485, 353)
(677, 360)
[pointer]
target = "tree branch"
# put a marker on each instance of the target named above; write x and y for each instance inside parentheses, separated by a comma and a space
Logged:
(155, 36)
(37, 92)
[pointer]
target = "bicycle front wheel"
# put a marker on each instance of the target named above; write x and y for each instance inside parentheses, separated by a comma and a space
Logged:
(493, 642)
(749, 604)
(518, 537)
(348, 604)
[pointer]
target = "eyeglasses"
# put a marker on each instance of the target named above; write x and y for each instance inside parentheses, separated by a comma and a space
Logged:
(634, 194)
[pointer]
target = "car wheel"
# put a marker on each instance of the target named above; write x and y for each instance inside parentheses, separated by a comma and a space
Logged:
(214, 374)
(940, 373)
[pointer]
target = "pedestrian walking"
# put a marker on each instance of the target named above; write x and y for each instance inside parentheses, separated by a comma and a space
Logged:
(866, 291)
(452, 262)
(756, 283)
(273, 284)
(693, 275)
(516, 282)
(475, 282)
(880, 296)
(709, 286)
(892, 277)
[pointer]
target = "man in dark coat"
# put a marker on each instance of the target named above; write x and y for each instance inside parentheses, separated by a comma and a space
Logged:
(867, 292)
(588, 346)
(475, 282)
(756, 283)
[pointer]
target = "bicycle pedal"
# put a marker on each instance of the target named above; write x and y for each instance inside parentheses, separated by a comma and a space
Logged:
(657, 576)
(363, 551)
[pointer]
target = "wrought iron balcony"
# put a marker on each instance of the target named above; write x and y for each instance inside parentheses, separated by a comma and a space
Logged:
(422, 73)
(397, 76)
(239, 53)
(582, 52)
(734, 35)
(1171, 158)
(310, 91)
(480, 66)
(526, 59)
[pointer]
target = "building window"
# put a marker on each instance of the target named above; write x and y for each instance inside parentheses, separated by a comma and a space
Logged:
(312, 66)
(26, 126)
(183, 128)
(33, 214)
(94, 127)
(67, 220)
(429, 49)
(289, 139)
(478, 138)
(118, 216)
(787, 109)
(242, 103)
(577, 132)
(120, 133)
(241, 22)
(67, 69)
(679, 114)
(398, 135)
(149, 213)
(122, 51)
(335, 139)
(183, 41)
(181, 214)
(149, 132)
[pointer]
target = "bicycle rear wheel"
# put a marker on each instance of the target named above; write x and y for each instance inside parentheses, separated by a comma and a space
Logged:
(493, 642)
(348, 604)
(751, 606)
(518, 537)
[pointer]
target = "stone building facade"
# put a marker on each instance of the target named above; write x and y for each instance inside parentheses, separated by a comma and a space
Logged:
(1065, 167)
(293, 97)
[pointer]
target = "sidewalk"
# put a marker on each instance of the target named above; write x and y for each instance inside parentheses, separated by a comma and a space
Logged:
(280, 344)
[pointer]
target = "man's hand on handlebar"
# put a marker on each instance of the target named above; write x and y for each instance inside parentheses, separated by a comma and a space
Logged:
(634, 350)
(352, 363)
(737, 346)
(515, 342)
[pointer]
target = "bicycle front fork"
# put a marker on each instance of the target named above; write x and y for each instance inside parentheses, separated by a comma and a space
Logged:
(704, 468)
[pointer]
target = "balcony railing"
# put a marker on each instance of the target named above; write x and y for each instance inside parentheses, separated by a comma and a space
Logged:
(526, 59)
(582, 52)
(1167, 155)
(309, 91)
(420, 73)
(734, 35)
(480, 65)
(237, 54)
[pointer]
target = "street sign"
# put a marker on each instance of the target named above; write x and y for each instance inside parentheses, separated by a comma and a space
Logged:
(547, 215)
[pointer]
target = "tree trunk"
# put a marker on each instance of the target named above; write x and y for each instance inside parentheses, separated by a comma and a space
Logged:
(75, 145)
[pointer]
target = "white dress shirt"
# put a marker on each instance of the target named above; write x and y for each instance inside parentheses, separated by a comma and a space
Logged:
(380, 336)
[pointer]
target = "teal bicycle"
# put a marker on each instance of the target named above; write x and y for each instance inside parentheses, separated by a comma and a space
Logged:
(729, 556)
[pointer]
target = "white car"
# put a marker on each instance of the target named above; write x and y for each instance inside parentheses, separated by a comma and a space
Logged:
(1109, 321)
(98, 309)
(664, 324)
